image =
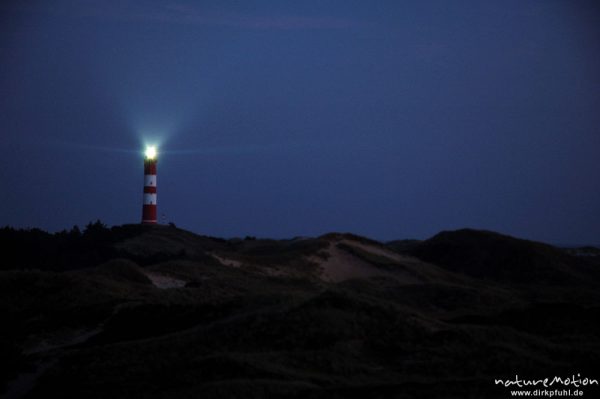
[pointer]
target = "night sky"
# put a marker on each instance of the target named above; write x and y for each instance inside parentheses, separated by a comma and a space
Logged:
(390, 119)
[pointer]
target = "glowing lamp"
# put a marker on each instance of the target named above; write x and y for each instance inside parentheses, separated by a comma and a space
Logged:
(150, 152)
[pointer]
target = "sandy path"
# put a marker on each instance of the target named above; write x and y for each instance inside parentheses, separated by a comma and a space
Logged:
(342, 265)
(163, 281)
(227, 261)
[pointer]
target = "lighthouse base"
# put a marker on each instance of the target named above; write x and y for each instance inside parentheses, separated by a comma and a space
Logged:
(149, 214)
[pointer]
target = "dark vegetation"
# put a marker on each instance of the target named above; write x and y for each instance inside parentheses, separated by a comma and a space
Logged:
(65, 250)
(254, 318)
(269, 252)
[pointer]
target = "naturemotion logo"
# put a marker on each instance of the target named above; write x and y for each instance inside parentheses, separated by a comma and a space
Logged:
(534, 387)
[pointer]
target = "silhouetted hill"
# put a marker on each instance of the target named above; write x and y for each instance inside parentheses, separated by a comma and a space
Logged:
(159, 312)
(489, 255)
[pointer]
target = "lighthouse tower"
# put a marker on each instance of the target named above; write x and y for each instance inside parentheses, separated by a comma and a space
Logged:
(149, 206)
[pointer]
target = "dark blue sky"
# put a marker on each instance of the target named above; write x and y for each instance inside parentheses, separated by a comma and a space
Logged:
(390, 119)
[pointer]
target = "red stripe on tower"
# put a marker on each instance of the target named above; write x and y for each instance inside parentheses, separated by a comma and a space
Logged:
(149, 205)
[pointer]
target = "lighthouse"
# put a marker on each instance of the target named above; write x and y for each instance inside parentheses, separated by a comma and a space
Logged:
(149, 205)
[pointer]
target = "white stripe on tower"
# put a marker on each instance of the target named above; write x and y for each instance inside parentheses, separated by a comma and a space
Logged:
(150, 199)
(149, 180)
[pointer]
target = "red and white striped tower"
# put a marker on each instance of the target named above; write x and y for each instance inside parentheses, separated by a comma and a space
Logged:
(149, 207)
